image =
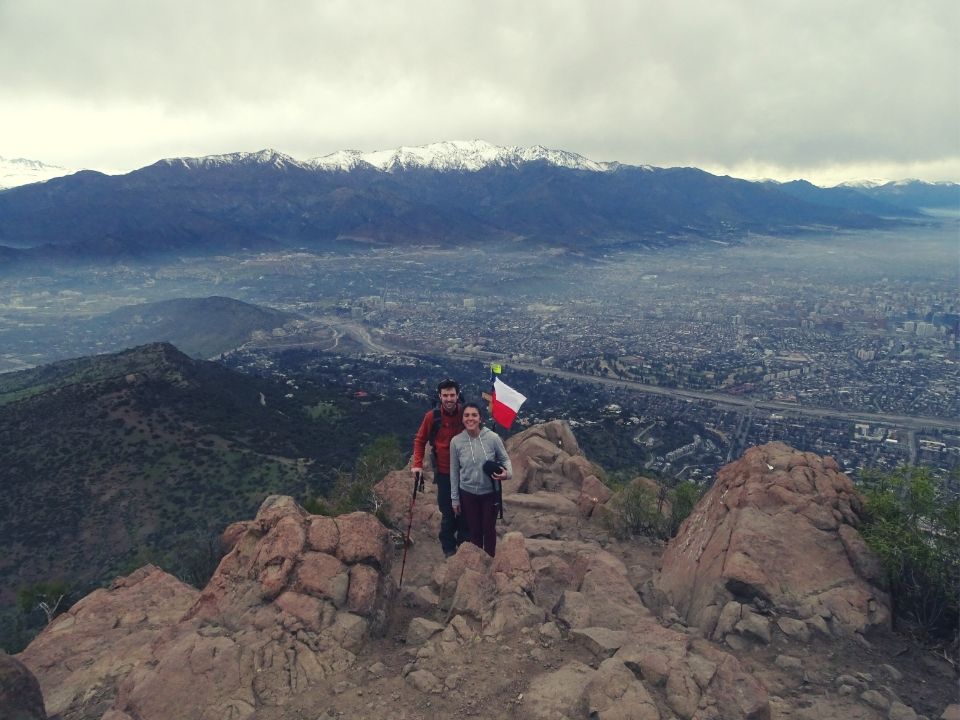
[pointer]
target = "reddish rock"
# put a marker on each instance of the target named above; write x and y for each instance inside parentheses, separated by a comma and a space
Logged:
(538, 455)
(767, 529)
(556, 432)
(396, 492)
(276, 507)
(592, 493)
(610, 595)
(323, 535)
(512, 563)
(364, 539)
(304, 607)
(273, 578)
(473, 595)
(614, 692)
(364, 590)
(285, 540)
(578, 468)
(277, 552)
(98, 640)
(552, 575)
(468, 556)
(232, 535)
(161, 651)
(323, 576)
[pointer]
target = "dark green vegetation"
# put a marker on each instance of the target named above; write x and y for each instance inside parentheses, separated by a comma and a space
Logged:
(641, 506)
(914, 526)
(146, 455)
(353, 489)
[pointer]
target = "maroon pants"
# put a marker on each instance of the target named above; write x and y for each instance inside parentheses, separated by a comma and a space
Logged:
(481, 514)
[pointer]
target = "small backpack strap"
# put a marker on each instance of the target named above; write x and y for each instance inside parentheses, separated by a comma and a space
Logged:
(434, 429)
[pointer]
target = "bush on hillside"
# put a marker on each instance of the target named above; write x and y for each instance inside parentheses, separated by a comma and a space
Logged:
(683, 499)
(635, 509)
(353, 489)
(914, 527)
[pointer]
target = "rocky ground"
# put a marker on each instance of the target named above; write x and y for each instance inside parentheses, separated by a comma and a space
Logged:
(766, 605)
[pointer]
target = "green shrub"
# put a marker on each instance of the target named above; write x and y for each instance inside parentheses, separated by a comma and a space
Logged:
(353, 489)
(635, 510)
(914, 527)
(683, 498)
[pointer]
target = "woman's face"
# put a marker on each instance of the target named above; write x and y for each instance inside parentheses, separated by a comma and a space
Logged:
(471, 419)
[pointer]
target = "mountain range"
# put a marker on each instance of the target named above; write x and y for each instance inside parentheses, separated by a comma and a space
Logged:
(21, 171)
(447, 193)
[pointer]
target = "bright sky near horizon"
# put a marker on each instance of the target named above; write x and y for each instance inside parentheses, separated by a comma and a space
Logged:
(828, 90)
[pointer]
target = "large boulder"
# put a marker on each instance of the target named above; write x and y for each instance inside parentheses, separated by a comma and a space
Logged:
(777, 529)
(89, 649)
(287, 607)
(396, 492)
(20, 697)
(553, 484)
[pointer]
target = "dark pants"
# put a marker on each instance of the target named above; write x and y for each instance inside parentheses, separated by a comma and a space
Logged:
(481, 513)
(454, 530)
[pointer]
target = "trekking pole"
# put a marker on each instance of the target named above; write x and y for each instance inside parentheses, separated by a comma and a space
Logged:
(417, 485)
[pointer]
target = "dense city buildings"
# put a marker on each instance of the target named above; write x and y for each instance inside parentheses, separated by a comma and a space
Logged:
(841, 345)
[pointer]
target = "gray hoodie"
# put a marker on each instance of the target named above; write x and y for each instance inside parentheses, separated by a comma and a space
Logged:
(467, 455)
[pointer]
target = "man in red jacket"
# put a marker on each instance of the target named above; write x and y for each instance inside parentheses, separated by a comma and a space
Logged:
(439, 426)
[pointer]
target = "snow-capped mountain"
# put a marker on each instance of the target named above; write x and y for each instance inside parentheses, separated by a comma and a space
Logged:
(437, 194)
(20, 171)
(460, 155)
(261, 157)
(451, 155)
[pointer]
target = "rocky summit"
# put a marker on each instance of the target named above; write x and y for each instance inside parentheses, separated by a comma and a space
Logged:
(766, 605)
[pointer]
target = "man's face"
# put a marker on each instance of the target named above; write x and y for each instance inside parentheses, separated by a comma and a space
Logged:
(448, 398)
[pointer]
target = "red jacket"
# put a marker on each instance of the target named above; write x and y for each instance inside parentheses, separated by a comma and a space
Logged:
(451, 424)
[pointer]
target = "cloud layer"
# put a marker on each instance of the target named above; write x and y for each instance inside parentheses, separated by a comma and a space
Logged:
(781, 88)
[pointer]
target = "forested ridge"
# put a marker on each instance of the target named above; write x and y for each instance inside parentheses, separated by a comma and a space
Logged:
(146, 455)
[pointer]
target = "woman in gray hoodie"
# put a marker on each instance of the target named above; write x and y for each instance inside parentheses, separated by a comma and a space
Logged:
(472, 491)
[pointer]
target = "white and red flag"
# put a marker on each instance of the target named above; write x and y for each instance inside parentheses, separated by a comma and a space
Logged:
(505, 403)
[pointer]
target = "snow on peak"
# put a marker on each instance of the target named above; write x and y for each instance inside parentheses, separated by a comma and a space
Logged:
(21, 171)
(863, 184)
(261, 157)
(462, 155)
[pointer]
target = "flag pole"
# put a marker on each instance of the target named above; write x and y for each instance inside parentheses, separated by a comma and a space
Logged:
(495, 369)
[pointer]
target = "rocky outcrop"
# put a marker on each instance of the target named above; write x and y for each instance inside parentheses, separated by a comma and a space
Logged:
(396, 492)
(288, 604)
(554, 487)
(637, 665)
(20, 697)
(775, 535)
(555, 626)
(87, 651)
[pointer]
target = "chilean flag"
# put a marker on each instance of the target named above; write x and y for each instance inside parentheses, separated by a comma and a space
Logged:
(505, 403)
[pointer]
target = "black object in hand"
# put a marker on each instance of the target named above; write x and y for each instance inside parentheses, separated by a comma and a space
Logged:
(492, 467)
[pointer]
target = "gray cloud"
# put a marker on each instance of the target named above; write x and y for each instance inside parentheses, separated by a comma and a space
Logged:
(779, 85)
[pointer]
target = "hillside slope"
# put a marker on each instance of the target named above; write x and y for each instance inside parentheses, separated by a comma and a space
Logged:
(111, 459)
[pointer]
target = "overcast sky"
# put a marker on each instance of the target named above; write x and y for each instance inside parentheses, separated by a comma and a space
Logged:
(829, 90)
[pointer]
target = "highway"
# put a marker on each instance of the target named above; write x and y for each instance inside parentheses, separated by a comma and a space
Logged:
(361, 335)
